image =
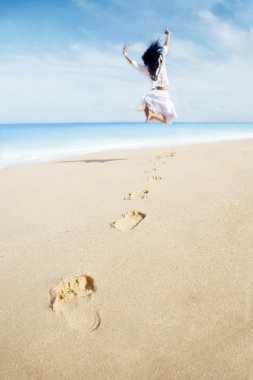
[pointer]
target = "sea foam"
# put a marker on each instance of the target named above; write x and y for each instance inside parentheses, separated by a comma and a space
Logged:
(21, 143)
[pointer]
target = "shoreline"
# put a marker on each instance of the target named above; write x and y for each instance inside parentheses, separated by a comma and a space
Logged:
(173, 295)
(81, 154)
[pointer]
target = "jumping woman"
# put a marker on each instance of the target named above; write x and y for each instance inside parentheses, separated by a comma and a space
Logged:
(156, 103)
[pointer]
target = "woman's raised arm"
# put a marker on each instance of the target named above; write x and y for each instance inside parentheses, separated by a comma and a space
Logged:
(134, 63)
(167, 40)
(130, 60)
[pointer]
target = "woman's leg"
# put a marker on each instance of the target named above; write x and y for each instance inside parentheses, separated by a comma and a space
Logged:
(143, 107)
(156, 116)
(151, 115)
(146, 111)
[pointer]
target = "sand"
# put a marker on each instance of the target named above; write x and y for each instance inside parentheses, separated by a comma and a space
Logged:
(134, 264)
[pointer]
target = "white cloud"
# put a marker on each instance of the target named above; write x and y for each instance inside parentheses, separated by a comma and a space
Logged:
(92, 85)
(213, 82)
(96, 58)
(137, 48)
(186, 50)
(226, 36)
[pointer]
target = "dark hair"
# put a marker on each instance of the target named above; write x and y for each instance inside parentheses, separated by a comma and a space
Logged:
(151, 58)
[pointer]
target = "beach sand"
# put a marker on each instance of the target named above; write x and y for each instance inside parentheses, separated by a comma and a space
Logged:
(157, 286)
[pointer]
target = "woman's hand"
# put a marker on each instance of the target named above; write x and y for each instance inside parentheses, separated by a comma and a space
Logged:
(167, 31)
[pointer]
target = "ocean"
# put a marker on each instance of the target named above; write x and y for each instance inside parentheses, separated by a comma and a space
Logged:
(25, 143)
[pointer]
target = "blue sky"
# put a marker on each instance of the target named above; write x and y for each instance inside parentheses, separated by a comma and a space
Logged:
(61, 59)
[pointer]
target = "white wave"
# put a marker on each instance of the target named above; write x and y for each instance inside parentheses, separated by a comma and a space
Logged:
(25, 144)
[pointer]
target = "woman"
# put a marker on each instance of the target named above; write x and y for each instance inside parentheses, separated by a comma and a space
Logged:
(156, 103)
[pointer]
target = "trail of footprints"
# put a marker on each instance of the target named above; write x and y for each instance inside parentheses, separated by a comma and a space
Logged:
(133, 218)
(72, 297)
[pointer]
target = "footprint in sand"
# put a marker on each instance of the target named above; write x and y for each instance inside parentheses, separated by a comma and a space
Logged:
(158, 157)
(71, 298)
(128, 221)
(164, 155)
(150, 170)
(137, 195)
(154, 178)
(169, 154)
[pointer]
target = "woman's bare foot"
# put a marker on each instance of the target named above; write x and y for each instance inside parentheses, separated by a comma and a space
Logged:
(154, 120)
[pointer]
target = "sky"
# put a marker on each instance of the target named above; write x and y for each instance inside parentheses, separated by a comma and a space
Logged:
(61, 60)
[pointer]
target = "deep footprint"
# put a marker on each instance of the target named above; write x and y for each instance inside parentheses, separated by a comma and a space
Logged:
(154, 178)
(128, 221)
(71, 298)
(137, 195)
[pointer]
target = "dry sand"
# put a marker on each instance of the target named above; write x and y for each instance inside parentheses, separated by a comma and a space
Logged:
(170, 292)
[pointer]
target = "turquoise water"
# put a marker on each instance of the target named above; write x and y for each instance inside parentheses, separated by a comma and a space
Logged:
(20, 143)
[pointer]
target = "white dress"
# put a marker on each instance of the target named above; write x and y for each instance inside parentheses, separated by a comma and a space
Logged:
(158, 101)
